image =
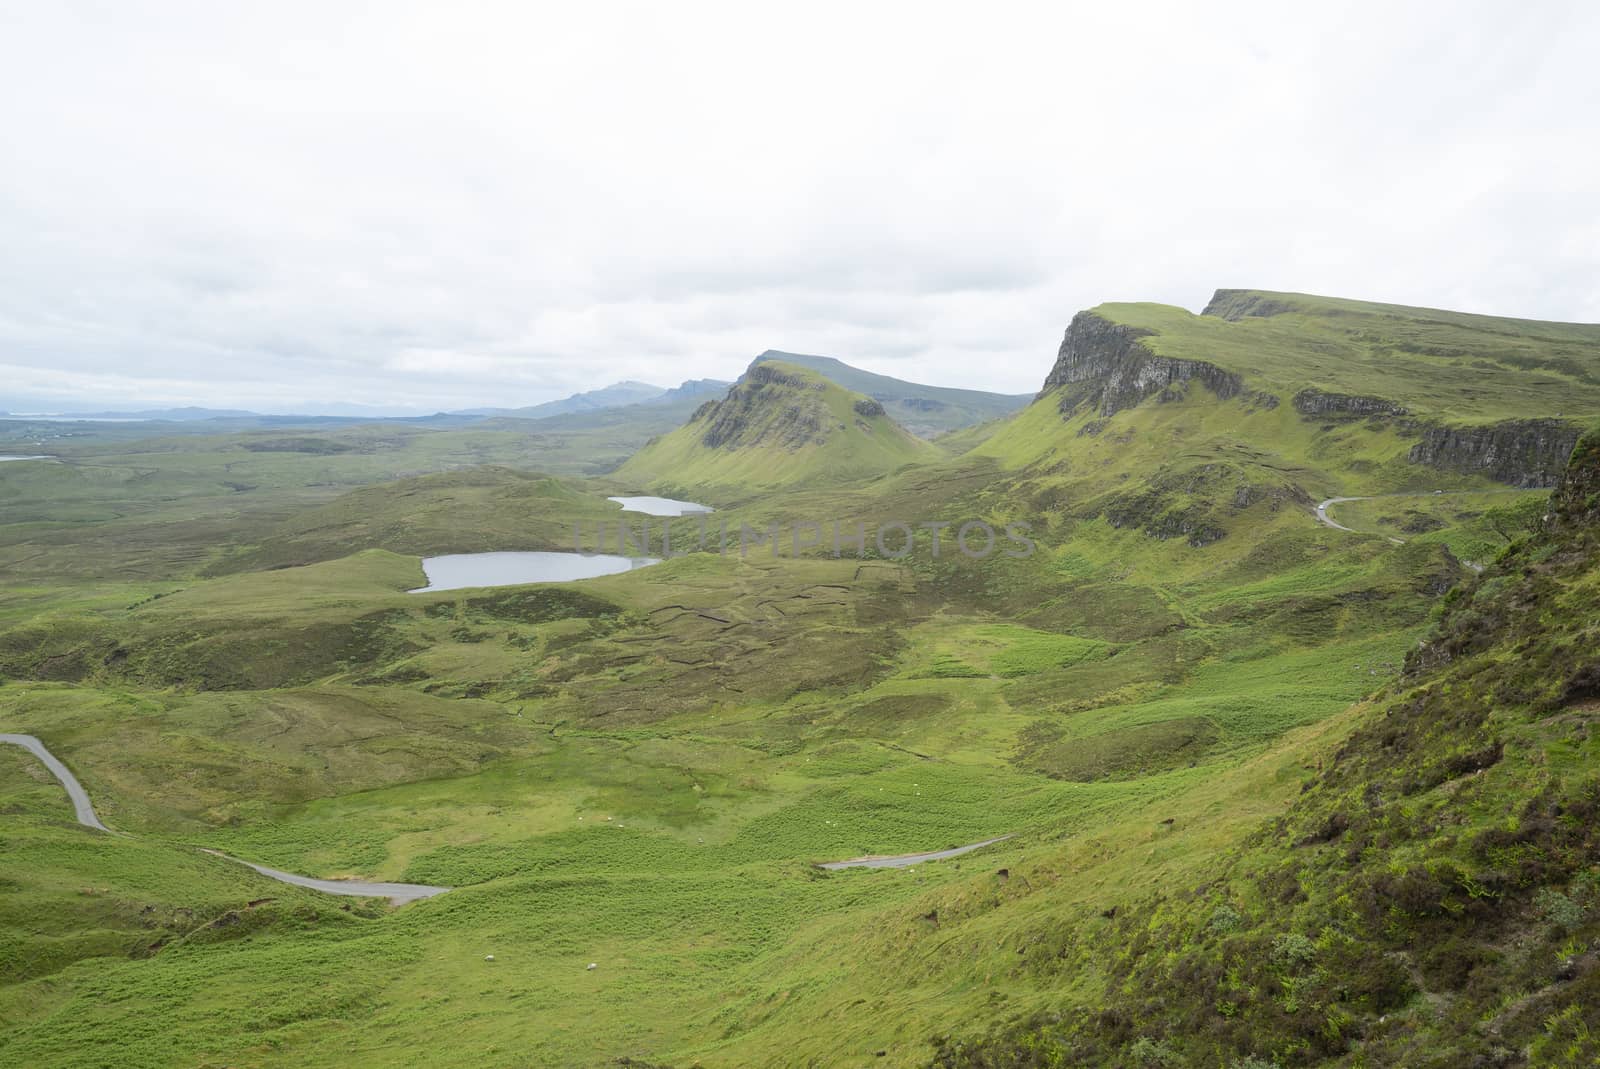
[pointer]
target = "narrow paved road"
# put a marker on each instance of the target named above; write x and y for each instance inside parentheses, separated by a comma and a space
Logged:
(398, 893)
(1328, 521)
(900, 861)
(75, 791)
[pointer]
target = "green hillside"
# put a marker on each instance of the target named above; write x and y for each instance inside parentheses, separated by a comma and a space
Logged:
(1277, 792)
(926, 411)
(779, 425)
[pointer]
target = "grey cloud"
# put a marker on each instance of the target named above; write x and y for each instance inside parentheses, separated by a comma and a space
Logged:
(413, 205)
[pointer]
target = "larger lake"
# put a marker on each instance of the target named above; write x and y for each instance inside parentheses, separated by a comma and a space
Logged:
(659, 506)
(456, 571)
(2, 459)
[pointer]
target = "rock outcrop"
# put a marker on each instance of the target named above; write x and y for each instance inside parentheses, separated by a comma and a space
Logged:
(1317, 403)
(1197, 503)
(1234, 305)
(1576, 502)
(791, 412)
(1528, 453)
(1108, 365)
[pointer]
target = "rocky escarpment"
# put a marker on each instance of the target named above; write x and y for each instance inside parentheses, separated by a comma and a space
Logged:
(1317, 403)
(1481, 613)
(1575, 506)
(1234, 305)
(766, 406)
(1107, 365)
(1527, 453)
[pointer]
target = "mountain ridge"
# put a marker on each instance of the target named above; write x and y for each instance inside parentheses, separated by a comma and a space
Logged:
(1466, 394)
(926, 411)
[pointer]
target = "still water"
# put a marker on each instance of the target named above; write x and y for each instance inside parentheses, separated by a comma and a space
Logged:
(458, 570)
(659, 506)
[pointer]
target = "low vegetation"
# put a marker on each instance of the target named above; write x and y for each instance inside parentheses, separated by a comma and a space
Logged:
(1278, 794)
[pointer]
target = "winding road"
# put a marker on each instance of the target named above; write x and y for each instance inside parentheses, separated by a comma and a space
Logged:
(398, 893)
(401, 893)
(900, 861)
(75, 791)
(1328, 521)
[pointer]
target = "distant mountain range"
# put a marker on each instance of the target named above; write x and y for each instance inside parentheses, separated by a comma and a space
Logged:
(617, 395)
(175, 415)
(925, 411)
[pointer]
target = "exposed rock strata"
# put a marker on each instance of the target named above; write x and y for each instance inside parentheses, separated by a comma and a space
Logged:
(1314, 402)
(1528, 453)
(1107, 365)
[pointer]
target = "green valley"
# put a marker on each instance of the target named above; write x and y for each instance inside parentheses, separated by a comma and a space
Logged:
(1276, 792)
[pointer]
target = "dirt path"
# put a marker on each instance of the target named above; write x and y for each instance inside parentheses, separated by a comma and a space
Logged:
(900, 861)
(398, 893)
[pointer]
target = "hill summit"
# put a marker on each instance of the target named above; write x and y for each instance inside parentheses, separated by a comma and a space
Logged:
(780, 425)
(926, 411)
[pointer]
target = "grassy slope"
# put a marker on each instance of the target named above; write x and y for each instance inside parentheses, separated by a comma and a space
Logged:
(1432, 898)
(806, 430)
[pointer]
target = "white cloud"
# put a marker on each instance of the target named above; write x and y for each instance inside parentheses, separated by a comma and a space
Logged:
(450, 205)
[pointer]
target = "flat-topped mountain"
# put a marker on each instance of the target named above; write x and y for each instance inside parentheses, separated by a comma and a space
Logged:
(1462, 393)
(926, 411)
(1341, 356)
(781, 424)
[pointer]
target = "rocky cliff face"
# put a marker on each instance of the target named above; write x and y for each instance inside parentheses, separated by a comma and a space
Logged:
(1107, 365)
(1576, 503)
(1316, 403)
(1527, 453)
(766, 406)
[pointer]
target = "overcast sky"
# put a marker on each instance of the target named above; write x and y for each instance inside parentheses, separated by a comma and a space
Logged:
(429, 206)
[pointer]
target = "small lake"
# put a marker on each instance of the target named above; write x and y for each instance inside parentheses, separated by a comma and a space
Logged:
(3, 459)
(659, 506)
(457, 571)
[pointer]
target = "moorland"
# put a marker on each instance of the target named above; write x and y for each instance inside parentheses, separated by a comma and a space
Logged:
(1273, 790)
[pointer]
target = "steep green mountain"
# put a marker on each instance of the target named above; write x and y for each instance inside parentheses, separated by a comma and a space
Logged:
(1470, 394)
(779, 425)
(926, 411)
(1431, 898)
(1205, 428)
